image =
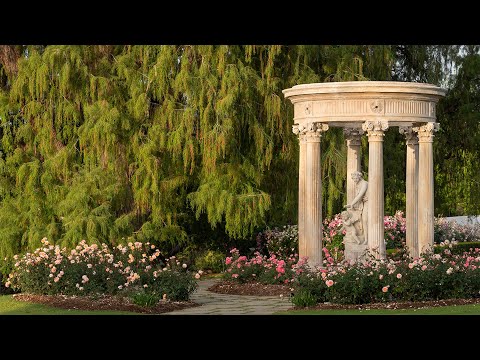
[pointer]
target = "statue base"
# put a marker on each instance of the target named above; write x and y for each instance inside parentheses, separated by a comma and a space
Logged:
(355, 252)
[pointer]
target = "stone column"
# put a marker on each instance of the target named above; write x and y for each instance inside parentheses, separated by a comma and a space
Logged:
(411, 190)
(376, 241)
(300, 131)
(425, 185)
(310, 192)
(353, 136)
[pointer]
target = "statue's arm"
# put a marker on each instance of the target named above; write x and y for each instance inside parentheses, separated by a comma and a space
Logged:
(361, 193)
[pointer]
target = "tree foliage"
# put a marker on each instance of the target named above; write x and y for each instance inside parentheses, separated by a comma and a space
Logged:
(109, 142)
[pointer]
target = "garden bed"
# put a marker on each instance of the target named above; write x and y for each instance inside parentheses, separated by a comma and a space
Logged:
(393, 305)
(103, 302)
(257, 289)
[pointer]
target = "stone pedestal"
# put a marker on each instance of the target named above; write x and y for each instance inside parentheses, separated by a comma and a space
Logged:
(425, 186)
(355, 252)
(375, 234)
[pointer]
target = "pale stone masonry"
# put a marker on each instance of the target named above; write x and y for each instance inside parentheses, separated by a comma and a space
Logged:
(366, 108)
(310, 190)
(353, 137)
(425, 185)
(411, 140)
(375, 131)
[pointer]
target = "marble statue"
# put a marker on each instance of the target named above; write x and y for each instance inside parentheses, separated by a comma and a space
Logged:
(358, 205)
(348, 224)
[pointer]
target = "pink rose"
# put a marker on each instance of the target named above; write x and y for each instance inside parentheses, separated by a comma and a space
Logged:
(399, 276)
(329, 283)
(385, 288)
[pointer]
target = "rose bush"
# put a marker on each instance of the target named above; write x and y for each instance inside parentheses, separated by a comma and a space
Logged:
(92, 269)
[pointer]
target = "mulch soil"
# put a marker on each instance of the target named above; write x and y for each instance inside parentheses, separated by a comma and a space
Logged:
(103, 302)
(107, 302)
(257, 289)
(396, 305)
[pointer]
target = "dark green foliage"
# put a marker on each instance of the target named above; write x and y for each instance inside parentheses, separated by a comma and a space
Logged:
(457, 159)
(210, 260)
(304, 298)
(175, 285)
(145, 299)
(156, 143)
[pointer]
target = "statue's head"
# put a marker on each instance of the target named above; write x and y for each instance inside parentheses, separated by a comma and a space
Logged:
(345, 215)
(356, 176)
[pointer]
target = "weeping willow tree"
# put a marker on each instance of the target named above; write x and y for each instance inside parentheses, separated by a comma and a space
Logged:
(109, 143)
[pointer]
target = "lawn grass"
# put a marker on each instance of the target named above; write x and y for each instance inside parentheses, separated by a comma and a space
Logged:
(472, 309)
(9, 306)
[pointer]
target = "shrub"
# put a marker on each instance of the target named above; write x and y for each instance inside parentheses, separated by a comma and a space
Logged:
(6, 267)
(452, 231)
(456, 247)
(211, 260)
(174, 284)
(430, 277)
(304, 298)
(395, 227)
(142, 298)
(333, 234)
(90, 269)
(281, 243)
(268, 270)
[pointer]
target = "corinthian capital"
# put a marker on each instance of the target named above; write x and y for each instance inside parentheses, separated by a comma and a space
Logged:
(375, 129)
(310, 131)
(353, 136)
(410, 135)
(425, 132)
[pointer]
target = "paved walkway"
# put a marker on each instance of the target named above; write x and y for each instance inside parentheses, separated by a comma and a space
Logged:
(222, 304)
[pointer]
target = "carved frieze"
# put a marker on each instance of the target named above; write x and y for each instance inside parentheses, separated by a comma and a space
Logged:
(337, 109)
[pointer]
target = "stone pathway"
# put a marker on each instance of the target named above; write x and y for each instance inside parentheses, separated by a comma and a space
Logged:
(223, 304)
